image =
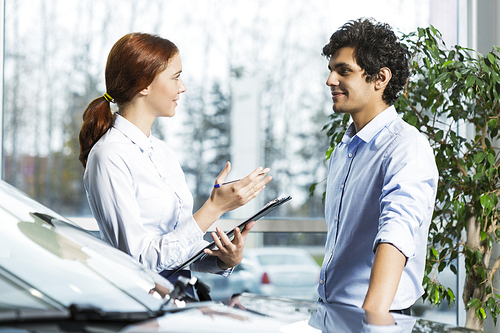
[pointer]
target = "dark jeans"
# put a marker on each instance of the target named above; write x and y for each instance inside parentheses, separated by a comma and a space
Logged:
(172, 278)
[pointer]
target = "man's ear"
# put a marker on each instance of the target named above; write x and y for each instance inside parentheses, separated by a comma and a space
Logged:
(384, 76)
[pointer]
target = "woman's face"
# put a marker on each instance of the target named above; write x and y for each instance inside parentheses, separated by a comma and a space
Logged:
(166, 88)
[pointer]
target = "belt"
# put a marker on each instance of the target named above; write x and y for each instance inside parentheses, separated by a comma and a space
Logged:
(406, 311)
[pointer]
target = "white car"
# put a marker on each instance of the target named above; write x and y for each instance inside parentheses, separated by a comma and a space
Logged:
(272, 271)
(57, 277)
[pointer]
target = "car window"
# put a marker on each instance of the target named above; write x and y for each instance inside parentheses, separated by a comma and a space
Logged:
(286, 259)
(14, 296)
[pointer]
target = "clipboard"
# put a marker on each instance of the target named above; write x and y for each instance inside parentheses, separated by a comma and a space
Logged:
(269, 207)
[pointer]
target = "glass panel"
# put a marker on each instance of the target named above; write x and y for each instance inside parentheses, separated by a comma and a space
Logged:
(55, 54)
(15, 297)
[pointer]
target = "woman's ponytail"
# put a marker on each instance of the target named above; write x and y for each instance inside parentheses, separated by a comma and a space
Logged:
(97, 119)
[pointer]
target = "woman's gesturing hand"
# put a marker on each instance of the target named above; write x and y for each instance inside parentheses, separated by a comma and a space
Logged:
(229, 252)
(230, 196)
(234, 195)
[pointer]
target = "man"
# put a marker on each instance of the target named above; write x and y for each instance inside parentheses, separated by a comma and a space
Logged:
(381, 182)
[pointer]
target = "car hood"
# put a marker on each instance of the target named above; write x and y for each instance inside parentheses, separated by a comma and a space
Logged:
(47, 263)
(340, 317)
(213, 317)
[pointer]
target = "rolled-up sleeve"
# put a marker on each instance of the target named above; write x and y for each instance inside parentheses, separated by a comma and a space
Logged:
(408, 193)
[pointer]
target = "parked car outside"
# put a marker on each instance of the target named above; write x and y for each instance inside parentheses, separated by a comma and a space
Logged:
(272, 271)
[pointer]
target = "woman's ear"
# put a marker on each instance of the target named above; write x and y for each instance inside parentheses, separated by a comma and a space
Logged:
(384, 76)
(144, 92)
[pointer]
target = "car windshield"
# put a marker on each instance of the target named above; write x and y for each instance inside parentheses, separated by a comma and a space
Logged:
(46, 262)
(283, 259)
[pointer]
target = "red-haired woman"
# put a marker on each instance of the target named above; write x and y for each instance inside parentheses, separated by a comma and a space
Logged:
(135, 186)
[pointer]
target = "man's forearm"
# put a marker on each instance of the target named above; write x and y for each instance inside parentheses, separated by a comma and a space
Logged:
(384, 280)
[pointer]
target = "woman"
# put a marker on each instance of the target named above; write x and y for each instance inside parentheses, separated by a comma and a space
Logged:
(134, 183)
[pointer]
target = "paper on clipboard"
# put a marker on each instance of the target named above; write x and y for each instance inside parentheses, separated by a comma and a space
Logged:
(269, 207)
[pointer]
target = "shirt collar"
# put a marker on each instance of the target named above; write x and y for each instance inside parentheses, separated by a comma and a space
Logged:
(132, 132)
(373, 127)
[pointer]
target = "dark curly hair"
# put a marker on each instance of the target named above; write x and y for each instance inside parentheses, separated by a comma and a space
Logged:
(375, 46)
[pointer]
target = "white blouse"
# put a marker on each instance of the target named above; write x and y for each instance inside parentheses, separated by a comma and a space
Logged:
(138, 194)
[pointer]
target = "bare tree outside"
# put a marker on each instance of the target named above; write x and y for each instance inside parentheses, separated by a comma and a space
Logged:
(55, 56)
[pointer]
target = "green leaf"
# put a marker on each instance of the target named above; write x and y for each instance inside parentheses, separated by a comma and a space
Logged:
(311, 189)
(491, 159)
(492, 124)
(434, 252)
(491, 58)
(328, 153)
(439, 135)
(451, 295)
(447, 63)
(472, 302)
(412, 120)
(481, 272)
(483, 313)
(486, 202)
(491, 302)
(479, 157)
(470, 81)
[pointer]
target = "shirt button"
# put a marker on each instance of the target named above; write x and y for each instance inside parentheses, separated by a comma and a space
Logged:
(322, 281)
(164, 179)
(350, 154)
(342, 186)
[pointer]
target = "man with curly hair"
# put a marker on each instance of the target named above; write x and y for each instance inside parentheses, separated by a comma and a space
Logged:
(381, 183)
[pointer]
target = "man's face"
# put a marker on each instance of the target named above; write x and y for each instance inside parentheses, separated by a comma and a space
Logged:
(350, 91)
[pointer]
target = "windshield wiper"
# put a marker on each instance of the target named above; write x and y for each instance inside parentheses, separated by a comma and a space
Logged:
(75, 312)
(24, 315)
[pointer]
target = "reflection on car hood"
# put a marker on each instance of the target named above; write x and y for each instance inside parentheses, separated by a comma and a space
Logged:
(47, 262)
(215, 317)
(340, 318)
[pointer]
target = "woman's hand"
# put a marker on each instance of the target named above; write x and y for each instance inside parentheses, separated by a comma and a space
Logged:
(231, 196)
(230, 253)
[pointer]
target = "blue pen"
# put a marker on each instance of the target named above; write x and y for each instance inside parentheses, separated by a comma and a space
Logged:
(234, 181)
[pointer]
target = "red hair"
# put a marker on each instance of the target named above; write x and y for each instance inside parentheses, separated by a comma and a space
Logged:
(133, 63)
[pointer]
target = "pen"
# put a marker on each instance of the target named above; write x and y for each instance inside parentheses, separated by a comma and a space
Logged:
(234, 181)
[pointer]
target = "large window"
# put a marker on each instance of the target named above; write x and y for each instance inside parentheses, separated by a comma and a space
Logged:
(268, 51)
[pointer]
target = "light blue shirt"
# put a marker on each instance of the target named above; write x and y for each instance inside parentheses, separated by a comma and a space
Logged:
(138, 194)
(381, 189)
